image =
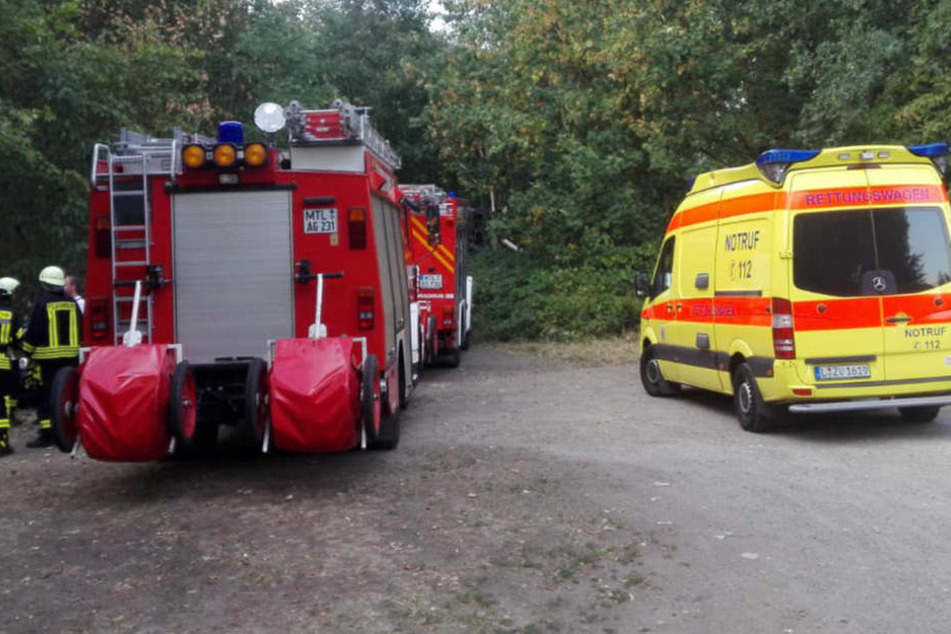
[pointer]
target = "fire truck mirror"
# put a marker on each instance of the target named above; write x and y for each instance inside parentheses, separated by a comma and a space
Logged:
(641, 284)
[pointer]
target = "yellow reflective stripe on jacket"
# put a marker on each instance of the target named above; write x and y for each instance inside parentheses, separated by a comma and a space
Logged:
(4, 361)
(56, 307)
(28, 347)
(62, 352)
(6, 323)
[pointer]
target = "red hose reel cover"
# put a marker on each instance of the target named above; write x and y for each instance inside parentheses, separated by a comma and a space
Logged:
(315, 394)
(123, 402)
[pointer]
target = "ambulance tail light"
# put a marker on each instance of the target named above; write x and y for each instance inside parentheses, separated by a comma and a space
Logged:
(99, 319)
(774, 164)
(103, 237)
(357, 227)
(365, 304)
(784, 343)
(937, 152)
(447, 315)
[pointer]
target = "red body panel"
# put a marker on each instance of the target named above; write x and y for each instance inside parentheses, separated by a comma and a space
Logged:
(340, 295)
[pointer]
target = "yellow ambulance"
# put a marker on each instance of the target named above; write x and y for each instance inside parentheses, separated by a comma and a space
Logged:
(809, 281)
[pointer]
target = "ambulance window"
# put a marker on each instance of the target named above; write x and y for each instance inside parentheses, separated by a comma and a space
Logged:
(913, 245)
(831, 251)
(665, 265)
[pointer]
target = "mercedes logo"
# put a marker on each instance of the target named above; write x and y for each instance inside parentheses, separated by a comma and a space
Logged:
(878, 283)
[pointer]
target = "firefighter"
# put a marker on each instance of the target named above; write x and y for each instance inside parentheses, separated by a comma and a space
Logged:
(52, 340)
(9, 333)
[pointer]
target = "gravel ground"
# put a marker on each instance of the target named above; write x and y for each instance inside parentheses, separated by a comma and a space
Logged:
(527, 496)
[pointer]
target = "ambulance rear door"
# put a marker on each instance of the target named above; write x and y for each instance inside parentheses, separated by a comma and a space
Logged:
(836, 284)
(910, 216)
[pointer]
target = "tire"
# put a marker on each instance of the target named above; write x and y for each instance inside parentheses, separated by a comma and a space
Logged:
(256, 401)
(920, 414)
(64, 400)
(653, 379)
(453, 358)
(389, 436)
(748, 404)
(464, 341)
(183, 408)
(431, 349)
(370, 398)
(404, 396)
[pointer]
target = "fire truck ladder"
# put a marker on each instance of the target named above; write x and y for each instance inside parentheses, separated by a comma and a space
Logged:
(135, 158)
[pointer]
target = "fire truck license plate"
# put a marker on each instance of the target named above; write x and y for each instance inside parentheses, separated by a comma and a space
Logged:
(430, 282)
(320, 221)
(832, 372)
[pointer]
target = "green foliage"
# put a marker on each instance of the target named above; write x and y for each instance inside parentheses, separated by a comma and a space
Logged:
(519, 297)
(585, 121)
(581, 121)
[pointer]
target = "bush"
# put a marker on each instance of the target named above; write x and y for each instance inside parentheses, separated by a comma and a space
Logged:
(519, 297)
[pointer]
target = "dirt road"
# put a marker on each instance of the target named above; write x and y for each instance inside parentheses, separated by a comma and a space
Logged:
(526, 497)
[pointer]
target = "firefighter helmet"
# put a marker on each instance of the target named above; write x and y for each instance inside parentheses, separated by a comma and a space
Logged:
(8, 285)
(53, 276)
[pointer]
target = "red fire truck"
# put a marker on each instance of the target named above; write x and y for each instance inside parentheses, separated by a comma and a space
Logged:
(438, 226)
(234, 284)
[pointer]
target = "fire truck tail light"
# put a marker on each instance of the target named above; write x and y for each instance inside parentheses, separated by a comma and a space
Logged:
(357, 227)
(447, 315)
(365, 302)
(784, 342)
(255, 154)
(99, 319)
(225, 155)
(193, 156)
(103, 237)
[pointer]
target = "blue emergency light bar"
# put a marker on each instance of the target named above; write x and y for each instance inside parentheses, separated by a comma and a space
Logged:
(231, 132)
(785, 156)
(929, 150)
(774, 164)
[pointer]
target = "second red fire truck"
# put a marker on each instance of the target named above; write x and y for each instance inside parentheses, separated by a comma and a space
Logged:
(438, 226)
(233, 284)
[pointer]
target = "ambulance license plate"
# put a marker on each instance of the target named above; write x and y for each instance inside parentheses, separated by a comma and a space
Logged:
(833, 372)
(430, 282)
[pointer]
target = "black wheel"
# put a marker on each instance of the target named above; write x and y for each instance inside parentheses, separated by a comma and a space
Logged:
(64, 403)
(920, 414)
(389, 436)
(453, 358)
(255, 400)
(404, 397)
(370, 401)
(652, 378)
(431, 349)
(464, 324)
(747, 402)
(183, 408)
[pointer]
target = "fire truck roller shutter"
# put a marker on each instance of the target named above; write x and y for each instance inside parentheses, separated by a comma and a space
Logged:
(233, 274)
